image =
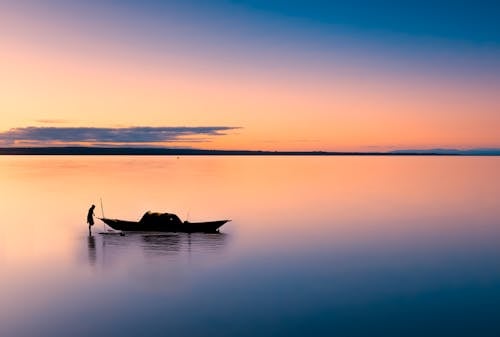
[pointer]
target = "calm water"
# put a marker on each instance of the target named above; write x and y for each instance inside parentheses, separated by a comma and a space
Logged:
(319, 246)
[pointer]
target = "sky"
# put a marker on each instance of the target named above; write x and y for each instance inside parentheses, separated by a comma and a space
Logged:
(255, 75)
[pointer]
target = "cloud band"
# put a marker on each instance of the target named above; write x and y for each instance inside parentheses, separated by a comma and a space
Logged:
(112, 136)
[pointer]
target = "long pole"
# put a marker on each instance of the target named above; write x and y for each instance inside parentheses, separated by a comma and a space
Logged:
(102, 213)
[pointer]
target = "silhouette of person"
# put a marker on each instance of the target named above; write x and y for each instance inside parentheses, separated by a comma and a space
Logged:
(90, 218)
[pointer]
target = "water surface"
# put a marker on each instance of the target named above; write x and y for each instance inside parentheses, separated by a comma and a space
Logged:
(344, 246)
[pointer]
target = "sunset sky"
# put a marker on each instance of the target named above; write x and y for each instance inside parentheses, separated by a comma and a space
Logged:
(257, 75)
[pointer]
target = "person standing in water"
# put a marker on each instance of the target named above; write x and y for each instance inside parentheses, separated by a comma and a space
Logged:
(90, 218)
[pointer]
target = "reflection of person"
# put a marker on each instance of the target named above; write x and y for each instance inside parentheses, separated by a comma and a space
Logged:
(92, 250)
(90, 218)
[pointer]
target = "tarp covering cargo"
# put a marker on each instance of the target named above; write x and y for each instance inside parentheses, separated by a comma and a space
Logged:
(150, 218)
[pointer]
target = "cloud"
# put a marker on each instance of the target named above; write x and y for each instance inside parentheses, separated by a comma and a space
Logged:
(46, 136)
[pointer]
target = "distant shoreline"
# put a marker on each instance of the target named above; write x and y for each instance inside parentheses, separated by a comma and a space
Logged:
(130, 151)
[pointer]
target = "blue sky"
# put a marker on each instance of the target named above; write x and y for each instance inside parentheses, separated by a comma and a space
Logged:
(474, 22)
(301, 74)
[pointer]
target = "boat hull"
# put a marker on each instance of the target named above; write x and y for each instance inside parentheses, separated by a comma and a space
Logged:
(185, 227)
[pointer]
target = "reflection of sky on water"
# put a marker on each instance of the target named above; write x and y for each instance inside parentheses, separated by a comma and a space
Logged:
(403, 246)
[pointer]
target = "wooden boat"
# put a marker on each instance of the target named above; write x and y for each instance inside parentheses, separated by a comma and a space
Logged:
(163, 222)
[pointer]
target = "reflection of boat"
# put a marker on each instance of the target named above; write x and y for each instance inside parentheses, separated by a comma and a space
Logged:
(163, 222)
(129, 246)
(165, 244)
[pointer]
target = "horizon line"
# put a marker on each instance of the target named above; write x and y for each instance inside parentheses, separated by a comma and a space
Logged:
(158, 151)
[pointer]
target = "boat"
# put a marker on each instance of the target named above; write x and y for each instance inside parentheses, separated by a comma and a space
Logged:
(163, 222)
